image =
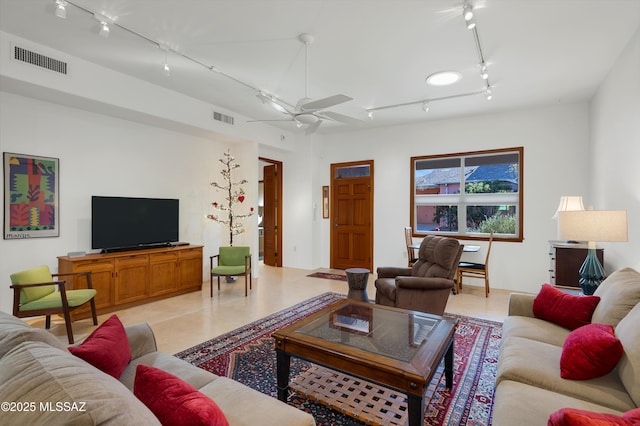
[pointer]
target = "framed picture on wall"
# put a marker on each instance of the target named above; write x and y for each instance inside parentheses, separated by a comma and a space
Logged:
(31, 196)
(325, 202)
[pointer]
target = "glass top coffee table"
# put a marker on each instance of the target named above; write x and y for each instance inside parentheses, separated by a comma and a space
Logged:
(394, 347)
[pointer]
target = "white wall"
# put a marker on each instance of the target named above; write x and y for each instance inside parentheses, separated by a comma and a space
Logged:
(555, 143)
(615, 151)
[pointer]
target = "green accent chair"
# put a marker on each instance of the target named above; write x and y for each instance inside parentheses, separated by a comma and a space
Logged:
(232, 261)
(34, 294)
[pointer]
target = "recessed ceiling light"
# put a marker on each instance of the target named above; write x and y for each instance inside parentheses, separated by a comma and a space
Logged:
(443, 78)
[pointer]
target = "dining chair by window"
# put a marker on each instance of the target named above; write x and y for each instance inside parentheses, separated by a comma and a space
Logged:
(408, 238)
(475, 270)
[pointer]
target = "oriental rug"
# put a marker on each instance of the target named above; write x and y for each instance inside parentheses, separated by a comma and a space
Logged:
(328, 276)
(247, 355)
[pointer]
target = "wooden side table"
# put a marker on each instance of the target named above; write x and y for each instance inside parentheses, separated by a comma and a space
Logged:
(358, 278)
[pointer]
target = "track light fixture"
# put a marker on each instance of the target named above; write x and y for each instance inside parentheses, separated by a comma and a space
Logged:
(471, 24)
(61, 9)
(165, 68)
(370, 115)
(467, 12)
(104, 23)
(425, 106)
(104, 29)
(488, 93)
(483, 71)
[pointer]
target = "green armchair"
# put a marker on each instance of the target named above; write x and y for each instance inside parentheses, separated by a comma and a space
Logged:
(34, 294)
(232, 261)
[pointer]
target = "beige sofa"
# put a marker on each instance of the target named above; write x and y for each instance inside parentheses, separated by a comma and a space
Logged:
(528, 384)
(45, 384)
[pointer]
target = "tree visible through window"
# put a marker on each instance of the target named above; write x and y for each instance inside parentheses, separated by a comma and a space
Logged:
(468, 194)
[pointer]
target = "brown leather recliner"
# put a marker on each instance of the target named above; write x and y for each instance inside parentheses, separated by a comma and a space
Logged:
(427, 284)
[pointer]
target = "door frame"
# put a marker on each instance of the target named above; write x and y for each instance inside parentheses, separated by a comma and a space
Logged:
(279, 205)
(332, 204)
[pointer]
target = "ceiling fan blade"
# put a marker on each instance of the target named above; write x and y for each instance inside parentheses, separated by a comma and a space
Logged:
(342, 118)
(313, 127)
(324, 103)
(260, 121)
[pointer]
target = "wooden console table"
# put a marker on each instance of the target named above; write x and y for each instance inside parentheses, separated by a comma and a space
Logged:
(132, 278)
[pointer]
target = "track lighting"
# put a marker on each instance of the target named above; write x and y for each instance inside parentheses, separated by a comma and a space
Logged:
(61, 9)
(165, 68)
(268, 99)
(104, 23)
(483, 71)
(471, 24)
(104, 29)
(467, 12)
(370, 115)
(488, 94)
(425, 106)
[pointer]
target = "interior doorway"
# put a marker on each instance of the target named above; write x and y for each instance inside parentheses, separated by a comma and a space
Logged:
(352, 215)
(270, 212)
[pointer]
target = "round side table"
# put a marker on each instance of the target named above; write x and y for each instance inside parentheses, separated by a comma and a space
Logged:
(357, 278)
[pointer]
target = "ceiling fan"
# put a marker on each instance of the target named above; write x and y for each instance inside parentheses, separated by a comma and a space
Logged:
(307, 111)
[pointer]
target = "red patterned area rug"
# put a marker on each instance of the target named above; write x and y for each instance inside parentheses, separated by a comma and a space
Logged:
(248, 356)
(328, 276)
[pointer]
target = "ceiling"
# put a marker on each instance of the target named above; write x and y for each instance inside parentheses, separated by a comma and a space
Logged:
(378, 52)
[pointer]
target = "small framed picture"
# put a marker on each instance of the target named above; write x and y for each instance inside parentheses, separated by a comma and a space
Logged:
(325, 202)
(31, 196)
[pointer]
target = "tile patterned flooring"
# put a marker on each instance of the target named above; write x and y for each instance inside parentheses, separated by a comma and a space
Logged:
(184, 321)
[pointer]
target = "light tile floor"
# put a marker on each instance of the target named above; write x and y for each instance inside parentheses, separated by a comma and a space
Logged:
(184, 321)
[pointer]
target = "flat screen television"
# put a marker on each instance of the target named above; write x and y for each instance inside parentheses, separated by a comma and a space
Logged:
(125, 223)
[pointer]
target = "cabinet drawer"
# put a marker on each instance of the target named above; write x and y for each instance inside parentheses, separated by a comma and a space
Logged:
(190, 254)
(163, 257)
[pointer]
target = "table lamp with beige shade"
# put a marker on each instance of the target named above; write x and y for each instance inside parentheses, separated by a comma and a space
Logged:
(592, 226)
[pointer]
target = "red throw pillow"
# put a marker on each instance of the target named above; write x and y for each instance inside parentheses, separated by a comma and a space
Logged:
(590, 351)
(173, 401)
(575, 417)
(107, 348)
(564, 309)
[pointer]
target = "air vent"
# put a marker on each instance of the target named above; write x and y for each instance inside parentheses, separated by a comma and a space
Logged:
(222, 117)
(39, 60)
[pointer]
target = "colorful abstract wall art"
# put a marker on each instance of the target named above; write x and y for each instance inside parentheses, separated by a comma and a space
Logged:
(31, 194)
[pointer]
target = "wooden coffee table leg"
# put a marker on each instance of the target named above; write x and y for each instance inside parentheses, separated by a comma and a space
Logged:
(448, 366)
(283, 365)
(415, 406)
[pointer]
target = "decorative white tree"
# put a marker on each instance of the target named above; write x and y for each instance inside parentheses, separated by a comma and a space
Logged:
(234, 194)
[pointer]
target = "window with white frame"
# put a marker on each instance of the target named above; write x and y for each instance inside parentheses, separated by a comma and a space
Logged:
(468, 195)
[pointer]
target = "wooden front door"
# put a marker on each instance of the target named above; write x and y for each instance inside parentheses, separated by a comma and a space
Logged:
(352, 215)
(272, 215)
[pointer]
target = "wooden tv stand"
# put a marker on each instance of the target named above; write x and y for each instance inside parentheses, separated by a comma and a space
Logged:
(126, 279)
